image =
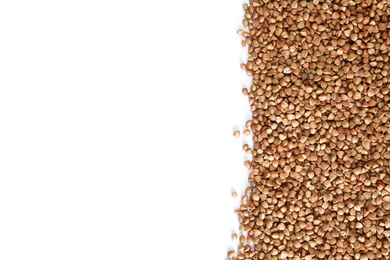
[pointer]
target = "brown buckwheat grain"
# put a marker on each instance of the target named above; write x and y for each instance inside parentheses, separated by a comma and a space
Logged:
(319, 182)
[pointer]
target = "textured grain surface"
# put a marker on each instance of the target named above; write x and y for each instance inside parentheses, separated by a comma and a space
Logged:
(319, 183)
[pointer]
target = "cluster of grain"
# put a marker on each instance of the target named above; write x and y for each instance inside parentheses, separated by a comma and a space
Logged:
(319, 183)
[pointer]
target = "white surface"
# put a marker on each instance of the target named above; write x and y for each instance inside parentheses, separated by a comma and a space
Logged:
(116, 122)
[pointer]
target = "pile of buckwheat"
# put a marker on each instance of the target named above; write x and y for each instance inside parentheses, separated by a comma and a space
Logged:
(319, 183)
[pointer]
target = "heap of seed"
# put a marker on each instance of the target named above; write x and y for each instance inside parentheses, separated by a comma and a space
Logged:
(319, 183)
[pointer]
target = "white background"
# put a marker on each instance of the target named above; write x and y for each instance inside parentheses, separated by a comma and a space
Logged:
(116, 122)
